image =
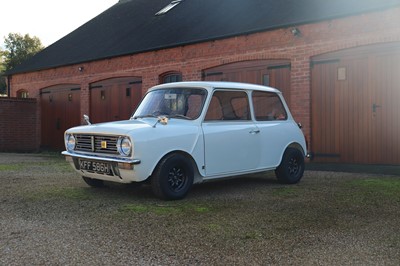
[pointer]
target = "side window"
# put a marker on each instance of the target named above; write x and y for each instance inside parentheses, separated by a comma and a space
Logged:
(228, 105)
(195, 104)
(268, 106)
(214, 111)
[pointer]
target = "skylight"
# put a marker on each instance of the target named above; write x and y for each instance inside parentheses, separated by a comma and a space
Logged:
(168, 7)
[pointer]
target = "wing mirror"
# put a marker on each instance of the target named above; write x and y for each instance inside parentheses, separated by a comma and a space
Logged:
(87, 120)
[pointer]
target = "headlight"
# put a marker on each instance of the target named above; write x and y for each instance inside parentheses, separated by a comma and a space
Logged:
(124, 146)
(70, 142)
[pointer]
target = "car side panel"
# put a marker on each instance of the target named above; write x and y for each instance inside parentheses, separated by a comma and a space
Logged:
(230, 147)
(152, 146)
(276, 136)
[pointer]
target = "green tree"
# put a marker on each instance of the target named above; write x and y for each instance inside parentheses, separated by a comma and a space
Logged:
(3, 87)
(19, 48)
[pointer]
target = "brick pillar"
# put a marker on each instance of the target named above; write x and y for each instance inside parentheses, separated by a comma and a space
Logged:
(85, 101)
(149, 80)
(300, 95)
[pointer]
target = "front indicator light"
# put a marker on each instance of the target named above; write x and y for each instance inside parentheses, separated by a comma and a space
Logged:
(125, 166)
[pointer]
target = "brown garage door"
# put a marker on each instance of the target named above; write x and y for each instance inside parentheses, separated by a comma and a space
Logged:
(114, 99)
(274, 73)
(60, 108)
(355, 109)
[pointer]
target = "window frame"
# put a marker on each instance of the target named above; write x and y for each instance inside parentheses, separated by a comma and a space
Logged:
(22, 94)
(163, 79)
(282, 114)
(224, 117)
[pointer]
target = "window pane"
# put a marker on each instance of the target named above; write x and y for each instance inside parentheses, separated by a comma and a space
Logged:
(214, 111)
(175, 102)
(268, 106)
(266, 80)
(228, 105)
(176, 77)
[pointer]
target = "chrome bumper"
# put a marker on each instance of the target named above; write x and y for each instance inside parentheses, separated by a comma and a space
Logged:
(102, 158)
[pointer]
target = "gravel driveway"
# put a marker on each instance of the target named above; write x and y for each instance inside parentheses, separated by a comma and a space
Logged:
(49, 216)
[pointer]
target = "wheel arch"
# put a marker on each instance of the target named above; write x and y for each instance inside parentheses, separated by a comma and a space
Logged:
(296, 146)
(197, 177)
(291, 168)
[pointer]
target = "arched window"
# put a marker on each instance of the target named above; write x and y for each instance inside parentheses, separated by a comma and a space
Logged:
(170, 77)
(22, 94)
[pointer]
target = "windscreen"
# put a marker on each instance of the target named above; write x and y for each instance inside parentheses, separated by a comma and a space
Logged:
(184, 103)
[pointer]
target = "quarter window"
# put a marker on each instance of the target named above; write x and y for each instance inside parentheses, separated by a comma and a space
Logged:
(268, 106)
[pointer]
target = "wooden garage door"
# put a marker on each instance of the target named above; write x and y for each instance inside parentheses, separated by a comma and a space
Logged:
(60, 110)
(355, 105)
(274, 73)
(114, 99)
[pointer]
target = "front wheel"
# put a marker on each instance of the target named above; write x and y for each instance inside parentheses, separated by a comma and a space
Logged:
(291, 169)
(173, 177)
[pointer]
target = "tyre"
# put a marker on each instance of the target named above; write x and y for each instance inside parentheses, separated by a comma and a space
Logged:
(173, 177)
(93, 182)
(291, 169)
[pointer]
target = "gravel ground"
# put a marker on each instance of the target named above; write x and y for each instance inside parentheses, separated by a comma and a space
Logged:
(49, 216)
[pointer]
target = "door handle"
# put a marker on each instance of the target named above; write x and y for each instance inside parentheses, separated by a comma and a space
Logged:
(254, 131)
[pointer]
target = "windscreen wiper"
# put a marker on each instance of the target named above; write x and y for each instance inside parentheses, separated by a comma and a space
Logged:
(144, 116)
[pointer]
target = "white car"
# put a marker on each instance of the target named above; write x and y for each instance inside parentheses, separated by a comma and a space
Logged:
(190, 132)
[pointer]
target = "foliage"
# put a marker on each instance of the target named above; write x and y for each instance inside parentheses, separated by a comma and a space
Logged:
(2, 67)
(3, 86)
(19, 48)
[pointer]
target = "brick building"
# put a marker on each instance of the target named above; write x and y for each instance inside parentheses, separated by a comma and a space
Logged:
(337, 63)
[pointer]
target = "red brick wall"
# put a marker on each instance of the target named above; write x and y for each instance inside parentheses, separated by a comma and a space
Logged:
(18, 125)
(317, 38)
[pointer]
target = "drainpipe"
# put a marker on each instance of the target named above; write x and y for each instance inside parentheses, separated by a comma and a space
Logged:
(9, 86)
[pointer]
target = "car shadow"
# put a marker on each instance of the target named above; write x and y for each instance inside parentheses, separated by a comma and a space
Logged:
(227, 187)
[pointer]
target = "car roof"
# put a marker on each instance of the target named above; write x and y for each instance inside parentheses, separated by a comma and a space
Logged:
(210, 85)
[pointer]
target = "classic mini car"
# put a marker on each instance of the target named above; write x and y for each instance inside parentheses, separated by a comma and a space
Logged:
(190, 132)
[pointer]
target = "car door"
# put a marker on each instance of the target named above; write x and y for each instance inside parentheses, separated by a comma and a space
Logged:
(231, 137)
(276, 131)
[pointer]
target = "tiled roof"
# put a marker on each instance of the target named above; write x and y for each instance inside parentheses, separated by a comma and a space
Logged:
(132, 26)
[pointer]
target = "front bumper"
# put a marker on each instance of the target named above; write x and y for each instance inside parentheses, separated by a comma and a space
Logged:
(123, 169)
(102, 158)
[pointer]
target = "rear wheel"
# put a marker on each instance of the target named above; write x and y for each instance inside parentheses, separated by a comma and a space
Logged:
(173, 177)
(291, 169)
(93, 182)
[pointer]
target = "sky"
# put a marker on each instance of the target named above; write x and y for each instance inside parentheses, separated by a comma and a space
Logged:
(49, 20)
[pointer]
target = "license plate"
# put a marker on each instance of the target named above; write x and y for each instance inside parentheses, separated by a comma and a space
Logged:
(96, 167)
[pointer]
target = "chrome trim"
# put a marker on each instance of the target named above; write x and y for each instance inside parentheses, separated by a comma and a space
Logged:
(98, 158)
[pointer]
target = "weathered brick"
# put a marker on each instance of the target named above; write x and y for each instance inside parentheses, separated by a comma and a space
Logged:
(18, 125)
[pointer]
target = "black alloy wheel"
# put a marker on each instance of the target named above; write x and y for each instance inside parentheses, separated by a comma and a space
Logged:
(291, 168)
(173, 177)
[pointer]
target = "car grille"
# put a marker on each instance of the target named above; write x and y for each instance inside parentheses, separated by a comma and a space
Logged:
(96, 143)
